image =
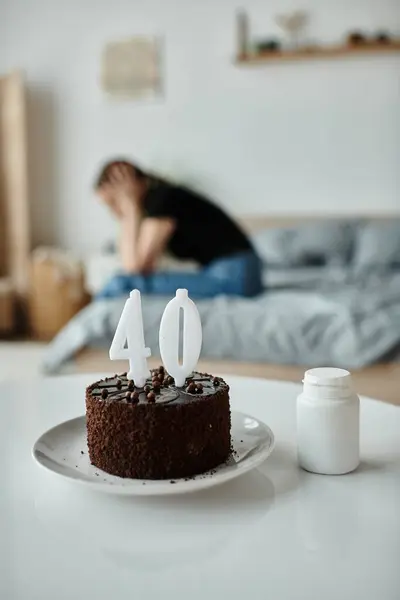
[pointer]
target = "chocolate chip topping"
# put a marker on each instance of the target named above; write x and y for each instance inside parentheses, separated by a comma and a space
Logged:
(104, 393)
(151, 397)
(120, 389)
(134, 397)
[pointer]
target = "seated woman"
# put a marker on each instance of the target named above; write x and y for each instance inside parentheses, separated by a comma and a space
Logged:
(156, 216)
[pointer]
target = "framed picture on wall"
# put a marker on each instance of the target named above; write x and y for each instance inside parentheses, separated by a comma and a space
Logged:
(130, 68)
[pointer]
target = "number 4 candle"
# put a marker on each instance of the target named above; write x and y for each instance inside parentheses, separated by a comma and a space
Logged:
(130, 329)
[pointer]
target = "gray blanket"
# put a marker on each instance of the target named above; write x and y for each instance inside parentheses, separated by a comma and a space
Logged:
(310, 316)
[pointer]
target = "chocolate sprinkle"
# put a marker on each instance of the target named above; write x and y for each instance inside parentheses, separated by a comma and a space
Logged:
(104, 393)
(191, 388)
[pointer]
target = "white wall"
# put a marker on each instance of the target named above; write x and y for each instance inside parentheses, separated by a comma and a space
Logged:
(290, 138)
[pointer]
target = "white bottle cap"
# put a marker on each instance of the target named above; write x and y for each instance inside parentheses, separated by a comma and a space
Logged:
(327, 382)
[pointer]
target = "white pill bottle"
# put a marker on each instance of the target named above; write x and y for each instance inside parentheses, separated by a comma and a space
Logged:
(328, 422)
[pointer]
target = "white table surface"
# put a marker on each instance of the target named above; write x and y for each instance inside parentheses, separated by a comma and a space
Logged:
(276, 533)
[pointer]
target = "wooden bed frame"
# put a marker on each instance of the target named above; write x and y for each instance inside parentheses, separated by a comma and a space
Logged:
(378, 381)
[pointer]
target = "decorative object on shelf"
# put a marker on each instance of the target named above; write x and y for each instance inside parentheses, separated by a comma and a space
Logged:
(242, 32)
(311, 48)
(131, 68)
(268, 45)
(356, 38)
(293, 25)
(382, 37)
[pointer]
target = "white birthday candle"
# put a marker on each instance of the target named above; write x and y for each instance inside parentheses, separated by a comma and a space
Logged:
(130, 330)
(169, 337)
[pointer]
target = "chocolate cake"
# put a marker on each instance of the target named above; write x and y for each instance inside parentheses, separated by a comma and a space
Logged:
(159, 431)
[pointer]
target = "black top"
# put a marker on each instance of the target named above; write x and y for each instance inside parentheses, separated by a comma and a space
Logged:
(203, 231)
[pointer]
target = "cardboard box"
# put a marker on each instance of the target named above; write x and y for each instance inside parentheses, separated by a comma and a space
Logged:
(57, 292)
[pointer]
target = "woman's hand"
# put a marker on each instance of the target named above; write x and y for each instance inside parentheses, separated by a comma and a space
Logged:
(120, 193)
(122, 179)
(107, 195)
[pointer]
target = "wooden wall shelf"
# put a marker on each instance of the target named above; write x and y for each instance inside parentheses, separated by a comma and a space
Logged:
(326, 53)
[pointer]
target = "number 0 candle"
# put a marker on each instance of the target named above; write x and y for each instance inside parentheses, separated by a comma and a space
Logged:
(169, 337)
(130, 330)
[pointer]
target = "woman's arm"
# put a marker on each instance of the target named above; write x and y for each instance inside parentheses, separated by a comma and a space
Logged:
(143, 242)
(130, 227)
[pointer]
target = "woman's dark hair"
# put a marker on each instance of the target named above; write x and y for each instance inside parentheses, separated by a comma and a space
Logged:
(104, 174)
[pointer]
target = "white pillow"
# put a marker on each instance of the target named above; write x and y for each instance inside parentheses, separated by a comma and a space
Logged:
(315, 244)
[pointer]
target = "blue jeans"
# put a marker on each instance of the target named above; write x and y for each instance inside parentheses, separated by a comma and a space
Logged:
(236, 275)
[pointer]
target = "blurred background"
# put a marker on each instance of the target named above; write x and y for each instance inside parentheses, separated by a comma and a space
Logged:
(287, 113)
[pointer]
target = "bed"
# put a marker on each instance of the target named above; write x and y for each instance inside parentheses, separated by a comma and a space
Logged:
(332, 297)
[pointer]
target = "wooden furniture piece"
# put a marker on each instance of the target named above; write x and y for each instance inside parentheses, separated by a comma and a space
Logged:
(319, 53)
(57, 292)
(14, 205)
(6, 305)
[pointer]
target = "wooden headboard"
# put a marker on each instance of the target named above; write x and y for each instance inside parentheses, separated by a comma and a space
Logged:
(255, 223)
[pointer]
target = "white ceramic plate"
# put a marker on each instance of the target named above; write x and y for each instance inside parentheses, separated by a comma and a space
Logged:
(63, 450)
